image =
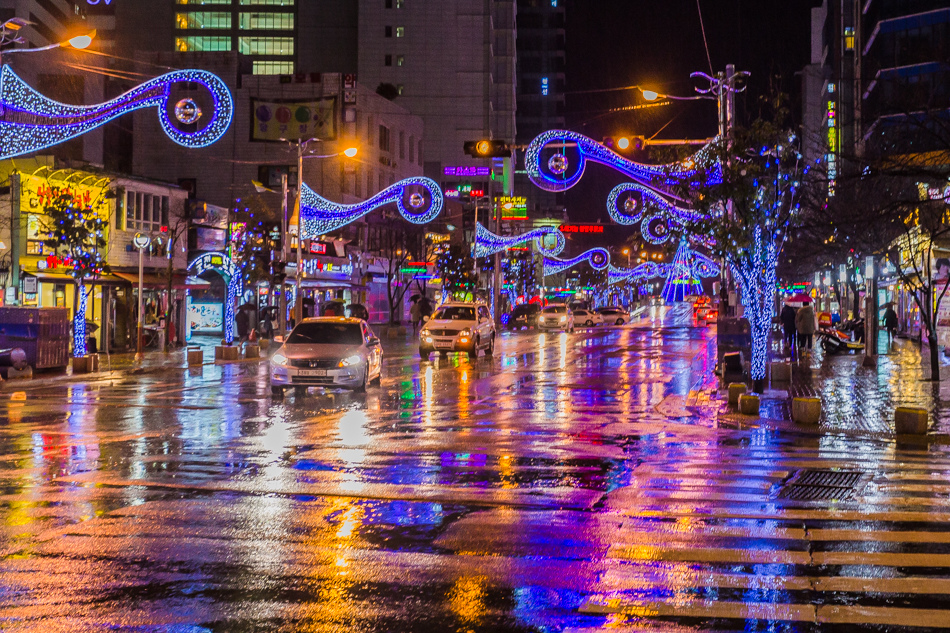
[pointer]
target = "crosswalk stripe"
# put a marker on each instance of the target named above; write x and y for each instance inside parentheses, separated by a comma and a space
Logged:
(639, 533)
(709, 554)
(823, 614)
(627, 579)
(653, 509)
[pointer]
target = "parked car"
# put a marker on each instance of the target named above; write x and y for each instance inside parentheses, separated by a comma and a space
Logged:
(327, 352)
(556, 317)
(587, 318)
(458, 327)
(615, 315)
(525, 315)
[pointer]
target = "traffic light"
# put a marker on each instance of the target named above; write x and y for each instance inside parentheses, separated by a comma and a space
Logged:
(487, 148)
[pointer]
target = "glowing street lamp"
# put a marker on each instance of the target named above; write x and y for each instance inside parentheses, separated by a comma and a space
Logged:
(141, 242)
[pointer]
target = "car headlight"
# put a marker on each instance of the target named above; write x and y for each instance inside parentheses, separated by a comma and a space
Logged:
(428, 339)
(278, 359)
(466, 332)
(349, 361)
(562, 319)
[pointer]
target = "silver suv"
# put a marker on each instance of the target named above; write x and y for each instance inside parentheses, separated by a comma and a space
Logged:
(458, 327)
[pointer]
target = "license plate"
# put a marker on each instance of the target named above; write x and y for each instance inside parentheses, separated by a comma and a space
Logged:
(312, 372)
(443, 345)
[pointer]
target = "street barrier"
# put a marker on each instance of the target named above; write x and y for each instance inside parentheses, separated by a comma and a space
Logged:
(227, 352)
(911, 420)
(736, 389)
(195, 356)
(806, 410)
(749, 404)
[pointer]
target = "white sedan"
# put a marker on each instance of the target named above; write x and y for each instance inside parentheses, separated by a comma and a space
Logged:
(327, 352)
(588, 318)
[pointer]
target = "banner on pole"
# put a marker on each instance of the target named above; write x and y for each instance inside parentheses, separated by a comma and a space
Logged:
(279, 119)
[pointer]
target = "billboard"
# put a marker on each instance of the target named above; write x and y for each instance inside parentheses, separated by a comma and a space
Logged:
(277, 119)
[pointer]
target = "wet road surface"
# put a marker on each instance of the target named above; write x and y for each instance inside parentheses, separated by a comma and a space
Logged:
(574, 482)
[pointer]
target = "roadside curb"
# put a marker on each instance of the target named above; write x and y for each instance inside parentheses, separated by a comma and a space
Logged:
(23, 383)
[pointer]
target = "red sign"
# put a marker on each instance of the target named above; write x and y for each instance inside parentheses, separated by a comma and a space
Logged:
(318, 248)
(581, 228)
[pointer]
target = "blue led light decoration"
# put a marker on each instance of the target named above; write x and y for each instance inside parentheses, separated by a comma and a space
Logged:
(224, 266)
(419, 200)
(487, 243)
(597, 258)
(30, 122)
(680, 281)
(565, 167)
(646, 270)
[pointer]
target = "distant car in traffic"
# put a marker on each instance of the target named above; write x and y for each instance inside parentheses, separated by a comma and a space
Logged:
(458, 327)
(327, 352)
(556, 317)
(615, 315)
(587, 318)
(525, 315)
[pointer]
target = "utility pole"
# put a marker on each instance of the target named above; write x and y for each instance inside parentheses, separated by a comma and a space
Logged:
(298, 269)
(285, 236)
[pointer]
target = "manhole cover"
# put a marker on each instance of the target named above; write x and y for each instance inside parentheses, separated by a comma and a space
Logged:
(821, 485)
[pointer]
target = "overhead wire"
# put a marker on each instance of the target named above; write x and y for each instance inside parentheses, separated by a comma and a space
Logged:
(702, 27)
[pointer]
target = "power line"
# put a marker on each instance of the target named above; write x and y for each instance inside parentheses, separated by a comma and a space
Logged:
(705, 42)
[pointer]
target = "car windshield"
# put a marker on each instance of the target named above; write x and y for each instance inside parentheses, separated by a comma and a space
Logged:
(524, 309)
(326, 334)
(556, 310)
(454, 313)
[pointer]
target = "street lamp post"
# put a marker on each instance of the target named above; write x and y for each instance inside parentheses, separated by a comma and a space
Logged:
(282, 306)
(141, 242)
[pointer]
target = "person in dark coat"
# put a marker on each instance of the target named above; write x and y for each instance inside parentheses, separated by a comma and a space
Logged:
(243, 322)
(788, 327)
(890, 322)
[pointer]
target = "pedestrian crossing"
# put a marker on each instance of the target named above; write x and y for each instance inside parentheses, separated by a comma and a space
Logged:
(705, 543)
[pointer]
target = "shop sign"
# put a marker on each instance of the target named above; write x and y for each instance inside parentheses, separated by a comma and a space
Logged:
(312, 266)
(581, 228)
(206, 262)
(459, 170)
(318, 248)
(29, 285)
(205, 316)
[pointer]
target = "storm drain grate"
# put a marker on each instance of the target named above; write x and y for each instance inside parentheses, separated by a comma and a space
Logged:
(821, 485)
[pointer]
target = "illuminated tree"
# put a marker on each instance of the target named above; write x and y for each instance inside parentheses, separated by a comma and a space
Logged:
(75, 231)
(456, 268)
(749, 211)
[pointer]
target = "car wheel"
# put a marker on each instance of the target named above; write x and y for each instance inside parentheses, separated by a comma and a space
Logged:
(491, 346)
(618, 322)
(362, 387)
(588, 323)
(277, 392)
(423, 354)
(474, 352)
(378, 380)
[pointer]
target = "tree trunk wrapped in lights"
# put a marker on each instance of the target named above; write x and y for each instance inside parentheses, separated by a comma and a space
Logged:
(76, 233)
(749, 214)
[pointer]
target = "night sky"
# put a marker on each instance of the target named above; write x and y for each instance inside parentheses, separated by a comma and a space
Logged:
(657, 44)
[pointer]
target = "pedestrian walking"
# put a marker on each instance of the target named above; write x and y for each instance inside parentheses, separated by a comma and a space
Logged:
(805, 325)
(243, 322)
(788, 326)
(890, 323)
(415, 315)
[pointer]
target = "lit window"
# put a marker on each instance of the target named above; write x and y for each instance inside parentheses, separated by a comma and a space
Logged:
(270, 3)
(203, 20)
(273, 68)
(203, 43)
(268, 21)
(400, 60)
(400, 31)
(266, 45)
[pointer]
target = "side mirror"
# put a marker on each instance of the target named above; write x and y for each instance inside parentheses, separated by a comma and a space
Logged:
(373, 341)
(424, 319)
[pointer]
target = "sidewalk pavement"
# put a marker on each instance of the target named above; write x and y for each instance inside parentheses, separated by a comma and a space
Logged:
(863, 399)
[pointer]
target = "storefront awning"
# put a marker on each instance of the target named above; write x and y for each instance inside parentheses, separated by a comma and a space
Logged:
(47, 277)
(325, 284)
(151, 280)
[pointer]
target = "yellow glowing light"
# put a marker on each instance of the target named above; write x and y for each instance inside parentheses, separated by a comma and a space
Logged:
(82, 41)
(350, 152)
(650, 95)
(623, 142)
(483, 147)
